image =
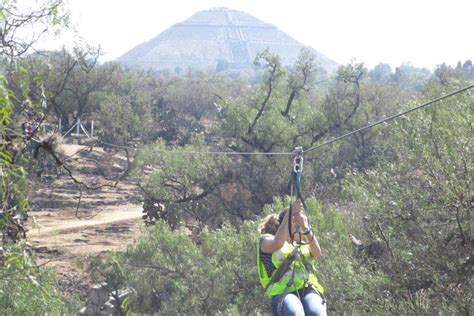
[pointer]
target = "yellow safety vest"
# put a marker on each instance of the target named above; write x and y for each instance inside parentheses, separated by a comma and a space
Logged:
(302, 277)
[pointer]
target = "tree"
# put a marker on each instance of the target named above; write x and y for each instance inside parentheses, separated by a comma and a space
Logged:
(42, 78)
(416, 202)
(468, 69)
(87, 79)
(47, 16)
(381, 72)
(409, 77)
(184, 106)
(125, 108)
(24, 289)
(13, 186)
(189, 185)
(301, 78)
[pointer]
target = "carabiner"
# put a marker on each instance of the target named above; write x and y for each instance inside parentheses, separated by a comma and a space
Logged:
(298, 159)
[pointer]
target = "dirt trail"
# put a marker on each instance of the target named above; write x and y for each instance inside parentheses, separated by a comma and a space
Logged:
(46, 226)
(65, 237)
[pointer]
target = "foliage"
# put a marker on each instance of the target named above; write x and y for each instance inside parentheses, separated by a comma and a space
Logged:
(65, 83)
(13, 188)
(85, 81)
(410, 78)
(25, 289)
(190, 185)
(466, 68)
(214, 273)
(210, 272)
(381, 72)
(417, 203)
(124, 110)
(186, 106)
(47, 15)
(13, 184)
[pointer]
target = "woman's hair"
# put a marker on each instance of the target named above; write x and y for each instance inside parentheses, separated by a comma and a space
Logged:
(270, 223)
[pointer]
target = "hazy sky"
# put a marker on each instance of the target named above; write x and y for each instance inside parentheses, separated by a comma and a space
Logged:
(423, 32)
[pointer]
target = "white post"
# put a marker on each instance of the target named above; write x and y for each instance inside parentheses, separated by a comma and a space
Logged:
(84, 130)
(70, 130)
(78, 127)
(59, 126)
(92, 128)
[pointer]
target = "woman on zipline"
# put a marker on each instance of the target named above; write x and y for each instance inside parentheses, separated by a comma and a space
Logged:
(286, 268)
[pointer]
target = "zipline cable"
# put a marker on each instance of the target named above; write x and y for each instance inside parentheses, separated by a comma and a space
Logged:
(388, 118)
(314, 147)
(190, 152)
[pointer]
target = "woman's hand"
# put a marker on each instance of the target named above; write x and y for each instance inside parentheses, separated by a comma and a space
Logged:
(302, 220)
(299, 217)
(296, 207)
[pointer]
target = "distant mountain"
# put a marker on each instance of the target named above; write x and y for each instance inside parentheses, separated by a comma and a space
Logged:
(214, 37)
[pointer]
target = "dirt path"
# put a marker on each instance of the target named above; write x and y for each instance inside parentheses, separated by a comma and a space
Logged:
(48, 227)
(65, 237)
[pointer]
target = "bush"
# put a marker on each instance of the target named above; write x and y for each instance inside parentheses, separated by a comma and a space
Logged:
(418, 203)
(25, 289)
(216, 274)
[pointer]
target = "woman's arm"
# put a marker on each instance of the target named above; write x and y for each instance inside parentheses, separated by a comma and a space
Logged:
(271, 244)
(308, 234)
(314, 247)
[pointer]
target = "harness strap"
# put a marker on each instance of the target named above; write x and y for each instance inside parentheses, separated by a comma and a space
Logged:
(288, 285)
(311, 270)
(280, 272)
(295, 187)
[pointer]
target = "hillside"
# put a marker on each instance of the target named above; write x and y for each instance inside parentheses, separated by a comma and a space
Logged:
(217, 36)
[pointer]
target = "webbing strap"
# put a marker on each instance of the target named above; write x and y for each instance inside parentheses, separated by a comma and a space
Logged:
(295, 185)
(288, 285)
(280, 272)
(311, 270)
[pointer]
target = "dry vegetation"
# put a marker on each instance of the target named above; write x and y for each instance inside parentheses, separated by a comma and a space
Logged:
(64, 236)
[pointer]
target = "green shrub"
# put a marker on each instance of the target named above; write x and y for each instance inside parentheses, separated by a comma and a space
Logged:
(25, 289)
(217, 273)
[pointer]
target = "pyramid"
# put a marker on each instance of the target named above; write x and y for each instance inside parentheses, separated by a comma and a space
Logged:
(214, 36)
